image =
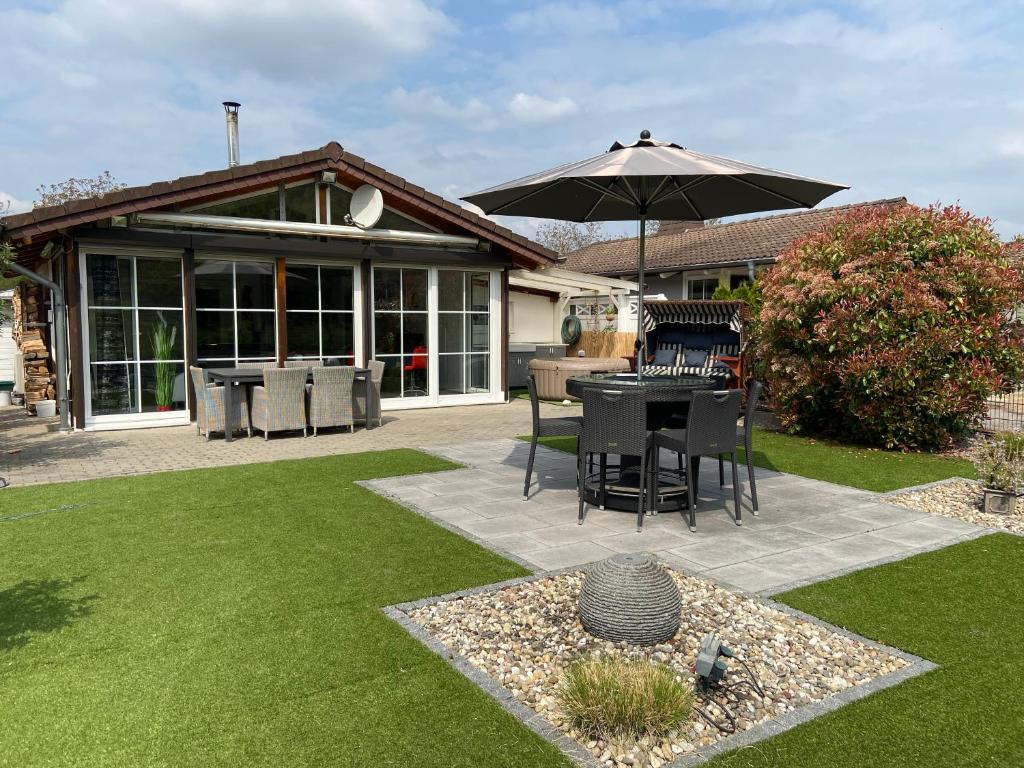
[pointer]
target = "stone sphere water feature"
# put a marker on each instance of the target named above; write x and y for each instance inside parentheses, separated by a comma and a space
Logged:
(630, 597)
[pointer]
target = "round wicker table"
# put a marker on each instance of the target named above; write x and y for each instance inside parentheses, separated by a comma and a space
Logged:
(666, 395)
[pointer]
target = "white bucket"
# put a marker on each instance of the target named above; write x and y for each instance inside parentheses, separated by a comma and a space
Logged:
(5, 399)
(46, 408)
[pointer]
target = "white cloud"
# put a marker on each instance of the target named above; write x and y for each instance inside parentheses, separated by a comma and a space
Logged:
(280, 40)
(429, 104)
(536, 109)
(9, 204)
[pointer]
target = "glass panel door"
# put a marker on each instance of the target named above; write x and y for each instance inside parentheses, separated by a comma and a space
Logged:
(235, 318)
(464, 332)
(135, 334)
(321, 317)
(400, 330)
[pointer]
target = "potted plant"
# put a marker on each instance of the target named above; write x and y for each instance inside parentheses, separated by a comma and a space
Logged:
(610, 313)
(1000, 467)
(162, 339)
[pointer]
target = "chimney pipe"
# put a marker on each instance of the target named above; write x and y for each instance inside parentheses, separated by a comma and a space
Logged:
(231, 116)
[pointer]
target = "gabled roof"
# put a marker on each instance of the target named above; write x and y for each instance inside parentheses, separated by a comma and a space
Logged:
(43, 222)
(736, 242)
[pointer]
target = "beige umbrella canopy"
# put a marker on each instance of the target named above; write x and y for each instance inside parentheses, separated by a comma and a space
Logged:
(651, 179)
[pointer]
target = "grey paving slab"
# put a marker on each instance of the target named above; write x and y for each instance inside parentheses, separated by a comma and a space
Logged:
(806, 530)
(579, 553)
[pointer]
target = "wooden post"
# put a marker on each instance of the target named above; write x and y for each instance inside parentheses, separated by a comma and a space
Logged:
(73, 296)
(282, 318)
(188, 277)
(366, 278)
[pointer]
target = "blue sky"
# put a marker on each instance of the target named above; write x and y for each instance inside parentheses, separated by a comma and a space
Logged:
(906, 97)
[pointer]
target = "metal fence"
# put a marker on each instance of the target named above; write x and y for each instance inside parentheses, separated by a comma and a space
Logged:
(1005, 413)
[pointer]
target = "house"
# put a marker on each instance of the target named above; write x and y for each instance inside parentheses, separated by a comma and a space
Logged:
(687, 260)
(259, 262)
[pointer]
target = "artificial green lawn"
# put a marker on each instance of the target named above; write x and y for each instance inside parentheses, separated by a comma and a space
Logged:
(961, 607)
(867, 468)
(231, 617)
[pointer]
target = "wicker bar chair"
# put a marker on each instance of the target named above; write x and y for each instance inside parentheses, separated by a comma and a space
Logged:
(280, 404)
(568, 426)
(258, 364)
(745, 435)
(210, 405)
(301, 363)
(614, 422)
(710, 431)
(330, 397)
(359, 393)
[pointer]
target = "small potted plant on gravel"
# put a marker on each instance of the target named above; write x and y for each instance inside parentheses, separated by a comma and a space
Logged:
(1000, 467)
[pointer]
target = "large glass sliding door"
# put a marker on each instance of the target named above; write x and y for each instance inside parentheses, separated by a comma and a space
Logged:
(135, 332)
(235, 311)
(463, 328)
(320, 307)
(436, 329)
(400, 328)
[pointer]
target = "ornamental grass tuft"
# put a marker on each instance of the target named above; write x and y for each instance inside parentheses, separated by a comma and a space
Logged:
(609, 698)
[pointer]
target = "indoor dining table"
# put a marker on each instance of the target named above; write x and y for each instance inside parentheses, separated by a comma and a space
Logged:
(229, 377)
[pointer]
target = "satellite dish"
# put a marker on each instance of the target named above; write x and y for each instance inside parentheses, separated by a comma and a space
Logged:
(366, 207)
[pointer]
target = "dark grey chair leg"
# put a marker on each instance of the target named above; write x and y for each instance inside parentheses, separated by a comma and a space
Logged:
(580, 486)
(753, 484)
(737, 492)
(691, 498)
(604, 479)
(641, 493)
(529, 468)
(721, 471)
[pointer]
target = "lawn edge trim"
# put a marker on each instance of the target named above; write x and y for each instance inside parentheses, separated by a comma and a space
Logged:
(927, 486)
(763, 730)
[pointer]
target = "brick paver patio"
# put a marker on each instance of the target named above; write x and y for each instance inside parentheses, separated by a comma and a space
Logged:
(807, 530)
(33, 451)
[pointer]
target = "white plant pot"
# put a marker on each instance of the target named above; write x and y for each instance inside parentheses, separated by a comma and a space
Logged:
(999, 502)
(46, 408)
(5, 399)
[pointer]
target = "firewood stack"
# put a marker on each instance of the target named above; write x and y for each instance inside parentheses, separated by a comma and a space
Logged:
(30, 307)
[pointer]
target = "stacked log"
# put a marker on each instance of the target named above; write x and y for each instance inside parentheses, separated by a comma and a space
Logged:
(40, 383)
(29, 308)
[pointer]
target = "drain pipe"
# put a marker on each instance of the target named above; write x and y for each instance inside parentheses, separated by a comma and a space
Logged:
(59, 341)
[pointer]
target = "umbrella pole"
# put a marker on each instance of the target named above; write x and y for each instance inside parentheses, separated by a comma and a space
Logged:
(641, 341)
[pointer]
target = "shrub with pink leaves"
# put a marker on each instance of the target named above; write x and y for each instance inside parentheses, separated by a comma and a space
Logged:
(892, 326)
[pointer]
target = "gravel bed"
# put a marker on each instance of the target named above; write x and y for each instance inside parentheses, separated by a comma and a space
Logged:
(525, 635)
(959, 499)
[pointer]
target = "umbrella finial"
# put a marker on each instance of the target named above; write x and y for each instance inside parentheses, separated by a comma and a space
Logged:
(645, 134)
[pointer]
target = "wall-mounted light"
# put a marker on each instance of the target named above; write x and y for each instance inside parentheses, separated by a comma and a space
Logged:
(328, 177)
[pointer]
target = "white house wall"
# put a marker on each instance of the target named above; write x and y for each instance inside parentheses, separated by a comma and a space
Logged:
(532, 318)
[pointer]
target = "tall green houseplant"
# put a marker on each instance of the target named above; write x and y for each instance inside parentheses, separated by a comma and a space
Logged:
(162, 339)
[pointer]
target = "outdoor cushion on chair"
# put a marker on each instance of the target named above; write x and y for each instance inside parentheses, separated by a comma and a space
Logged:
(695, 358)
(665, 356)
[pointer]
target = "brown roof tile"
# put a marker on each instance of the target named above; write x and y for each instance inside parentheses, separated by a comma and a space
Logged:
(760, 239)
(163, 193)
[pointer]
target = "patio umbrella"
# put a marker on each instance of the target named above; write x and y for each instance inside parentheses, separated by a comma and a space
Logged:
(651, 179)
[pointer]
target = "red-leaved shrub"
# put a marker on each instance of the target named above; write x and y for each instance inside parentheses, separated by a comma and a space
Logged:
(892, 326)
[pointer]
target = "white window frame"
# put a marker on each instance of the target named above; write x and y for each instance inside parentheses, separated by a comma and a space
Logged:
(357, 303)
(123, 420)
(496, 394)
(701, 279)
(202, 256)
